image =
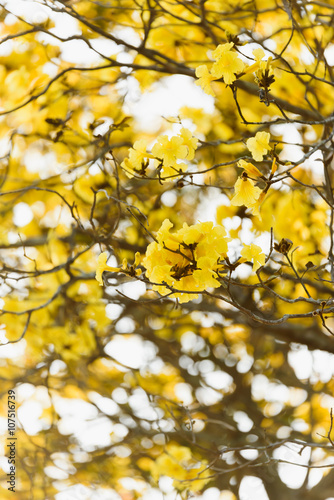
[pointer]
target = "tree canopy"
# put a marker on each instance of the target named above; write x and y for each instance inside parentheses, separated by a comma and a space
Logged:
(167, 277)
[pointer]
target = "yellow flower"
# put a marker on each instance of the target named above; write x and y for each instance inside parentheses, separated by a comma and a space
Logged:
(273, 167)
(245, 192)
(102, 266)
(186, 260)
(265, 75)
(264, 72)
(259, 145)
(258, 54)
(126, 269)
(172, 173)
(178, 463)
(169, 150)
(254, 253)
(190, 141)
(129, 168)
(138, 153)
(251, 169)
(221, 49)
(137, 259)
(227, 63)
(255, 207)
(166, 152)
(137, 161)
(204, 79)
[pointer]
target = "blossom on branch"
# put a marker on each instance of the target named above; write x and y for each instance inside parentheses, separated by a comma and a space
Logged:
(245, 192)
(204, 79)
(259, 145)
(126, 269)
(168, 151)
(255, 207)
(186, 260)
(137, 162)
(102, 266)
(251, 169)
(253, 253)
(189, 141)
(179, 463)
(227, 63)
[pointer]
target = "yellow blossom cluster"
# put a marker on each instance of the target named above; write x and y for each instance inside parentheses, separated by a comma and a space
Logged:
(187, 260)
(166, 152)
(138, 159)
(263, 70)
(178, 463)
(169, 150)
(260, 67)
(227, 65)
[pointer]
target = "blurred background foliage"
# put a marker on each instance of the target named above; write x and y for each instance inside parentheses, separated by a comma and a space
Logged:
(122, 394)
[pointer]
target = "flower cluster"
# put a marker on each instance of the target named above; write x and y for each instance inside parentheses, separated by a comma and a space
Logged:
(263, 72)
(188, 260)
(227, 65)
(167, 153)
(137, 162)
(178, 463)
